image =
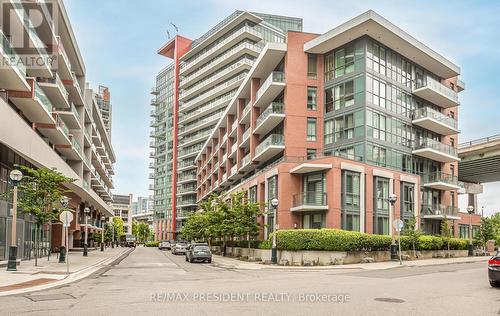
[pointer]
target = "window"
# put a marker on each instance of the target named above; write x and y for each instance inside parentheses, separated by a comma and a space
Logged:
(313, 221)
(311, 98)
(328, 133)
(407, 201)
(378, 125)
(381, 206)
(350, 218)
(452, 170)
(349, 126)
(312, 66)
(328, 62)
(344, 61)
(311, 129)
(452, 142)
(272, 192)
(252, 194)
(343, 95)
(311, 153)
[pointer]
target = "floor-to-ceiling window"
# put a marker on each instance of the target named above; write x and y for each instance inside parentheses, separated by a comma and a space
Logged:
(407, 201)
(313, 221)
(381, 207)
(351, 187)
(272, 192)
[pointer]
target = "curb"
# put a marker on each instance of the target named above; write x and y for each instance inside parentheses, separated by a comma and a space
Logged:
(95, 269)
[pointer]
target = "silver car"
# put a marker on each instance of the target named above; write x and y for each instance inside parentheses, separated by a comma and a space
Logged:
(179, 248)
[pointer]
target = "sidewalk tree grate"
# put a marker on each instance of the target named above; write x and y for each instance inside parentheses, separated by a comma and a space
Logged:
(50, 297)
(389, 300)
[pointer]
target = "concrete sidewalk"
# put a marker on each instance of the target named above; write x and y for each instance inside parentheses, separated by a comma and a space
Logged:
(48, 274)
(232, 263)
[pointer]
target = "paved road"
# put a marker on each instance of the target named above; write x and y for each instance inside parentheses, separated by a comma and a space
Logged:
(152, 282)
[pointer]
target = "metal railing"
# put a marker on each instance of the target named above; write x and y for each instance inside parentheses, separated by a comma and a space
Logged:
(439, 209)
(273, 108)
(433, 84)
(275, 76)
(434, 144)
(480, 141)
(439, 176)
(313, 198)
(431, 113)
(271, 140)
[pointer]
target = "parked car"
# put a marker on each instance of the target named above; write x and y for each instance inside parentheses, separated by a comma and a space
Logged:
(179, 248)
(128, 240)
(164, 245)
(199, 252)
(494, 270)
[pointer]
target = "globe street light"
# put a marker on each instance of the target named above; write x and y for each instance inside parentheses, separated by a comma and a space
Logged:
(62, 250)
(86, 211)
(394, 248)
(470, 210)
(15, 176)
(103, 218)
(274, 251)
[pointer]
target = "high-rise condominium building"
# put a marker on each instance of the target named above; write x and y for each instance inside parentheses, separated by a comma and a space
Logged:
(49, 117)
(190, 97)
(122, 207)
(103, 102)
(332, 124)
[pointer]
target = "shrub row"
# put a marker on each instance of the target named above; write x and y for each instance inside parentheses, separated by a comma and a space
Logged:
(152, 244)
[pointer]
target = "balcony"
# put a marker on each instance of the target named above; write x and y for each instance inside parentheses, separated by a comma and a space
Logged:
(269, 147)
(435, 92)
(309, 201)
(460, 85)
(75, 92)
(154, 91)
(200, 124)
(12, 74)
(435, 121)
(239, 35)
(435, 150)
(58, 133)
(63, 63)
(246, 163)
(440, 211)
(440, 181)
(70, 116)
(245, 115)
(269, 118)
(56, 92)
(212, 106)
(245, 140)
(234, 128)
(234, 172)
(234, 148)
(270, 89)
(35, 105)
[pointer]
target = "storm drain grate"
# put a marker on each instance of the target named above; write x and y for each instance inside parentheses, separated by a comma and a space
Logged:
(389, 300)
(50, 297)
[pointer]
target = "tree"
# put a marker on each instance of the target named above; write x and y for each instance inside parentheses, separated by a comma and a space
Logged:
(486, 231)
(413, 232)
(245, 224)
(446, 231)
(141, 231)
(119, 231)
(40, 193)
(108, 232)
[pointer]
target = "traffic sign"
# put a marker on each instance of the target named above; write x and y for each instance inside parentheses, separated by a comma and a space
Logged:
(398, 224)
(66, 218)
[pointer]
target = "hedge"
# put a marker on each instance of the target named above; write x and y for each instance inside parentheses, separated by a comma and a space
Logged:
(152, 244)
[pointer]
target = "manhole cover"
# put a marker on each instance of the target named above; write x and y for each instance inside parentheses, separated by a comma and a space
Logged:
(53, 297)
(389, 300)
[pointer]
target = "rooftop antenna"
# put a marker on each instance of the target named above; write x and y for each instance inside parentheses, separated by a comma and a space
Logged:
(175, 27)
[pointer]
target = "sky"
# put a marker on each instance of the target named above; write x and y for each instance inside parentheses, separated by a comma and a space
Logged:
(119, 40)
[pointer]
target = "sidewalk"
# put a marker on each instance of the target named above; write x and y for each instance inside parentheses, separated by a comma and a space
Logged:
(51, 273)
(231, 263)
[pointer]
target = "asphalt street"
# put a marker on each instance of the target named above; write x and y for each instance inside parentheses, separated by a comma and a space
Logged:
(154, 282)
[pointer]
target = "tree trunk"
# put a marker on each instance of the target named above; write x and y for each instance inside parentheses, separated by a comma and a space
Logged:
(36, 244)
(414, 250)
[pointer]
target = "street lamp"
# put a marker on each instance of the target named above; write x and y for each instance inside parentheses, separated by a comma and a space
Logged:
(86, 211)
(15, 176)
(62, 250)
(274, 251)
(394, 248)
(470, 210)
(102, 232)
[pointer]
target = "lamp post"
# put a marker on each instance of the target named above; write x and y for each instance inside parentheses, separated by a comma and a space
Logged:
(394, 248)
(470, 210)
(62, 250)
(86, 211)
(15, 176)
(274, 251)
(102, 232)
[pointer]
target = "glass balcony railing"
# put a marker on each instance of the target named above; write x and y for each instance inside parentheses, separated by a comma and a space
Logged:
(274, 108)
(435, 85)
(246, 134)
(9, 51)
(275, 76)
(40, 95)
(76, 145)
(211, 118)
(271, 140)
(428, 112)
(440, 177)
(313, 198)
(210, 105)
(245, 160)
(85, 185)
(439, 209)
(436, 145)
(234, 170)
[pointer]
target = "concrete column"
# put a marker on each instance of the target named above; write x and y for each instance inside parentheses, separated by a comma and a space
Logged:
(472, 200)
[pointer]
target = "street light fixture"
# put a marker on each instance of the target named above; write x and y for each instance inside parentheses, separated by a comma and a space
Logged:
(103, 218)
(274, 251)
(62, 250)
(470, 210)
(394, 248)
(86, 211)
(15, 176)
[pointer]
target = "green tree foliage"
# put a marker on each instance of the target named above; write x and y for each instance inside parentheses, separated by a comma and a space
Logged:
(413, 233)
(446, 231)
(119, 231)
(142, 231)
